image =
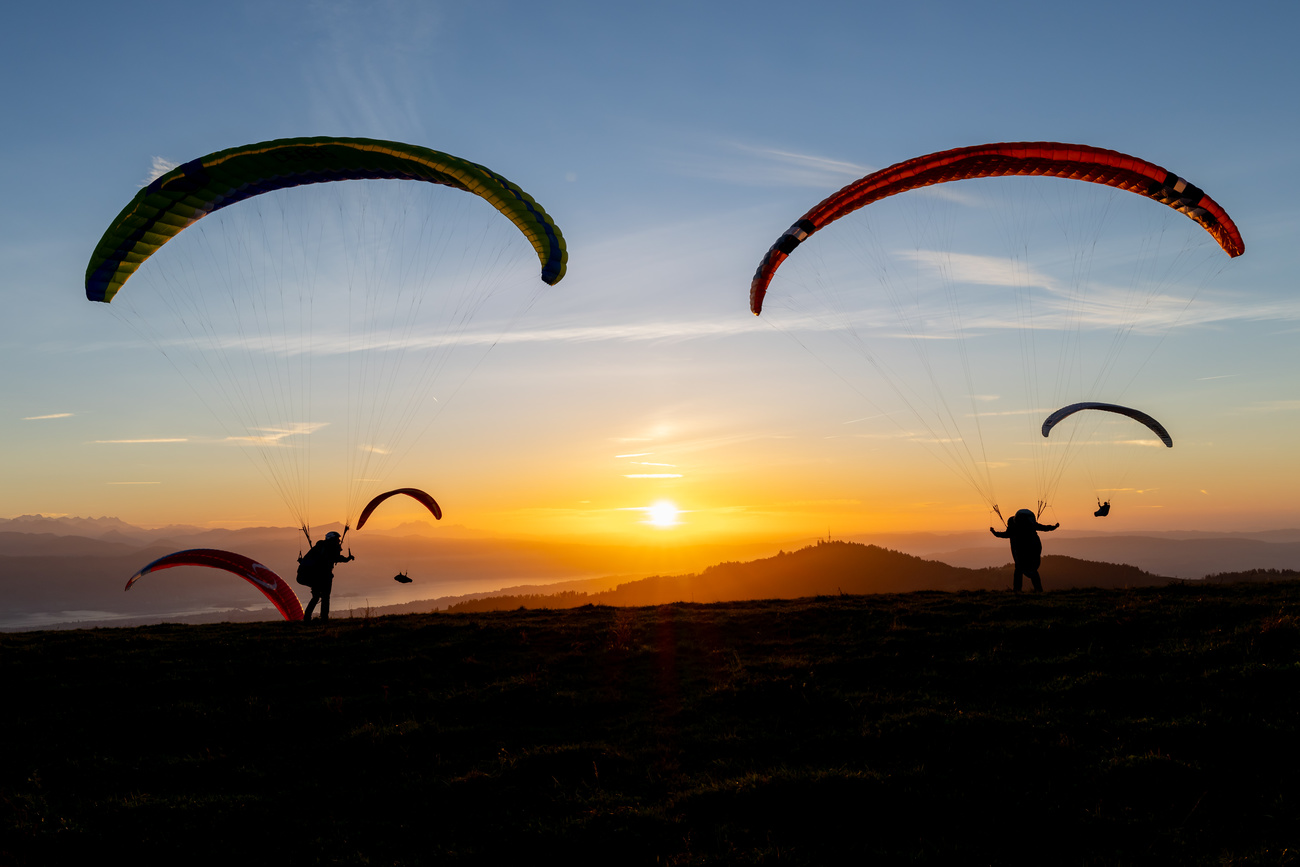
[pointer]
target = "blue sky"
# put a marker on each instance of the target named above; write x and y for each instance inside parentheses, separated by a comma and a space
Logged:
(672, 142)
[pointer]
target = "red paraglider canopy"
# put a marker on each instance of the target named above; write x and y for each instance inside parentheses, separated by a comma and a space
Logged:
(271, 584)
(414, 493)
(1050, 159)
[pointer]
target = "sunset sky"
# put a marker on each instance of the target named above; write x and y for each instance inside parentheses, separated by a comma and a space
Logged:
(639, 399)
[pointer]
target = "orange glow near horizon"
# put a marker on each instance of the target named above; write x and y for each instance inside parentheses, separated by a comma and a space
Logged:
(730, 484)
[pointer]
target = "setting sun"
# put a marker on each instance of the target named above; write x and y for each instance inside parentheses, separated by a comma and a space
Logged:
(662, 514)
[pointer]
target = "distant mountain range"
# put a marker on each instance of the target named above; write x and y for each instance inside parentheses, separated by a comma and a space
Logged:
(69, 570)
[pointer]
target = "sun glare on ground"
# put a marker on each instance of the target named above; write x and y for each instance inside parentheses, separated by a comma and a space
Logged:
(662, 514)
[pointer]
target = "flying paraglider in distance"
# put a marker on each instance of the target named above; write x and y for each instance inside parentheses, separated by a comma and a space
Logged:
(326, 296)
(414, 493)
(1137, 415)
(271, 584)
(1103, 509)
(982, 284)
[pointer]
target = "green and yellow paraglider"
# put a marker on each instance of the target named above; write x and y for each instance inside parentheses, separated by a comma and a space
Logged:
(195, 189)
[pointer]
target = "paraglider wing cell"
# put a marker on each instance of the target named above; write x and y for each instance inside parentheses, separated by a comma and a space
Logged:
(271, 584)
(195, 189)
(1052, 159)
(414, 493)
(1137, 415)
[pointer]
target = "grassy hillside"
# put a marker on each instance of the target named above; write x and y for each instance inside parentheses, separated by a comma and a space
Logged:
(1144, 726)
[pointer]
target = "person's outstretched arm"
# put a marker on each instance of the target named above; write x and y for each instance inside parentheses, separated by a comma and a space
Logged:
(1045, 528)
(1003, 534)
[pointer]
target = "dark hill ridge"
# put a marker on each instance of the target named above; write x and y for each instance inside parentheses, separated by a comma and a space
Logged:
(828, 568)
(1178, 557)
(46, 579)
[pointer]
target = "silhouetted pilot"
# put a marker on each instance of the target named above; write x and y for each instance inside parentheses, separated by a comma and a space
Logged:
(1026, 548)
(316, 570)
(1103, 509)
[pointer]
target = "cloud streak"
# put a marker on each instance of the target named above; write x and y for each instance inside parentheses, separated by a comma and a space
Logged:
(273, 436)
(980, 270)
(1274, 406)
(757, 166)
(137, 441)
(1046, 305)
(158, 166)
(752, 165)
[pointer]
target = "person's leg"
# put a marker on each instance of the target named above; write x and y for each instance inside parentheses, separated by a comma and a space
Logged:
(1019, 577)
(311, 606)
(325, 606)
(1033, 576)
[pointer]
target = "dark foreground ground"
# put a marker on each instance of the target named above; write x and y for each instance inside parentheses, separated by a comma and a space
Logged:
(1152, 726)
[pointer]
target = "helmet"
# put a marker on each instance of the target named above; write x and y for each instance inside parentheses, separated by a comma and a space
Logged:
(332, 536)
(1026, 515)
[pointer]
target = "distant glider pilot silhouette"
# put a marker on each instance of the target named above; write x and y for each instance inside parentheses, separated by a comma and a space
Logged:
(1103, 509)
(316, 570)
(1026, 548)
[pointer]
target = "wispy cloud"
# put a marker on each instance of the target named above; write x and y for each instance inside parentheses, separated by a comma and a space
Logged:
(274, 436)
(763, 166)
(884, 435)
(870, 417)
(1095, 307)
(1273, 406)
(134, 483)
(158, 167)
(339, 344)
(51, 415)
(981, 270)
(803, 504)
(664, 330)
(652, 476)
(1042, 412)
(755, 165)
(152, 440)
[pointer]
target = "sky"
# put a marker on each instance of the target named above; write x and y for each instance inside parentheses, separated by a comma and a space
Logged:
(638, 399)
